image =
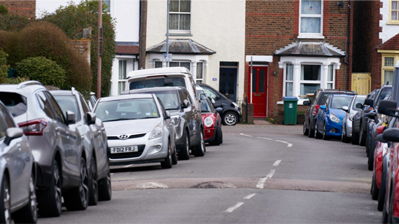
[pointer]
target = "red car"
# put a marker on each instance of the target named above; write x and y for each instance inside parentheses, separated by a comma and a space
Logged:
(212, 123)
(379, 171)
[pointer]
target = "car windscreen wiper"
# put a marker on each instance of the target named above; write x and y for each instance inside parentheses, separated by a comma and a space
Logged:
(121, 119)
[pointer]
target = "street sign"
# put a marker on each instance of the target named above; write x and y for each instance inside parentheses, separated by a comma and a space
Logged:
(167, 57)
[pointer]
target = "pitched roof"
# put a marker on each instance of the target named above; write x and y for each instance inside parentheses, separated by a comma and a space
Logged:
(181, 46)
(305, 48)
(391, 44)
(127, 49)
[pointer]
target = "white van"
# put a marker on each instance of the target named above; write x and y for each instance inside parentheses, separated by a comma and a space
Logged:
(158, 77)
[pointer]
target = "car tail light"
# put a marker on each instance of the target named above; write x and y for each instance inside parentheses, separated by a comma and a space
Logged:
(316, 109)
(33, 127)
(370, 108)
(380, 129)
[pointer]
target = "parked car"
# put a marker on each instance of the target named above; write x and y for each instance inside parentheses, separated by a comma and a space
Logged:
(330, 115)
(374, 120)
(92, 100)
(355, 105)
(94, 140)
(212, 122)
(200, 91)
(17, 173)
(319, 99)
(160, 77)
(139, 129)
(186, 119)
(56, 146)
(231, 112)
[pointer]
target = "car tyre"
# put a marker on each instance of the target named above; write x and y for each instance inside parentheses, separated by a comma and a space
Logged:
(200, 148)
(374, 189)
(370, 160)
(219, 137)
(230, 118)
(184, 153)
(362, 136)
(311, 132)
(174, 157)
(5, 205)
(325, 137)
(78, 198)
(105, 187)
(382, 190)
(355, 136)
(391, 204)
(93, 184)
(317, 134)
(167, 163)
(305, 129)
(343, 134)
(28, 214)
(50, 200)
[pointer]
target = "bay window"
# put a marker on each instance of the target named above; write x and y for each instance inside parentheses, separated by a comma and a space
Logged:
(310, 79)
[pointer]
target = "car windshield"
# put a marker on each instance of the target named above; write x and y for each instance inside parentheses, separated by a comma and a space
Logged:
(148, 83)
(127, 109)
(359, 99)
(386, 92)
(68, 103)
(338, 101)
(205, 107)
(14, 102)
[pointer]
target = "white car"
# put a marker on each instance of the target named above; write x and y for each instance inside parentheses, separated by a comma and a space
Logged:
(139, 130)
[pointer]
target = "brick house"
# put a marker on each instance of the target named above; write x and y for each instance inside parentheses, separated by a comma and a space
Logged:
(25, 8)
(295, 47)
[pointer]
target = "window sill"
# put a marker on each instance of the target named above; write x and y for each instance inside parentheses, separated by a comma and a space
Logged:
(393, 23)
(301, 36)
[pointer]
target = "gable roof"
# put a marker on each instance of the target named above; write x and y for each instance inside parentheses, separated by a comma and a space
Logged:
(126, 49)
(310, 49)
(391, 44)
(181, 46)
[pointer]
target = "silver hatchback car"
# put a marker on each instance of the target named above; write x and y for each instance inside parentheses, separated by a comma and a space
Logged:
(139, 130)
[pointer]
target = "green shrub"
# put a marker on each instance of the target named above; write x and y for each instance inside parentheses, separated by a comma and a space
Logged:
(43, 70)
(3, 10)
(3, 66)
(72, 19)
(13, 22)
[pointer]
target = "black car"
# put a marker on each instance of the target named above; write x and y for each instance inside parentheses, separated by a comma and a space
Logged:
(231, 113)
(319, 99)
(186, 119)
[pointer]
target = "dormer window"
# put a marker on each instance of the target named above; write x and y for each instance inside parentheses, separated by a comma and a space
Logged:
(311, 19)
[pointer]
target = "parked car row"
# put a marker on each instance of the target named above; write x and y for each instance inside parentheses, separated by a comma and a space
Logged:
(55, 157)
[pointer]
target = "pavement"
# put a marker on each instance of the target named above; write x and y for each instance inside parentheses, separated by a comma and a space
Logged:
(260, 174)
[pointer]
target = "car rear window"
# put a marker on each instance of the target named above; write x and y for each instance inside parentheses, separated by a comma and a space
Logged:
(386, 92)
(322, 99)
(14, 102)
(169, 99)
(68, 103)
(159, 82)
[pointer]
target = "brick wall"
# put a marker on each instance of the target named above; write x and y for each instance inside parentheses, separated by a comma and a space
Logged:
(250, 113)
(26, 8)
(271, 25)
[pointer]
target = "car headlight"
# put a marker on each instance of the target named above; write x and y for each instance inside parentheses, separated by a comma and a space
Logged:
(175, 120)
(208, 122)
(335, 119)
(156, 132)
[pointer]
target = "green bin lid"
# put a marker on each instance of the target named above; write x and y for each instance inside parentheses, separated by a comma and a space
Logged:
(290, 98)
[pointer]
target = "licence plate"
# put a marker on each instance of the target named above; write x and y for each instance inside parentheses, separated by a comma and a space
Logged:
(124, 149)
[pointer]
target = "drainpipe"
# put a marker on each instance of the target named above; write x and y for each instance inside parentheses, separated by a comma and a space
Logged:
(349, 45)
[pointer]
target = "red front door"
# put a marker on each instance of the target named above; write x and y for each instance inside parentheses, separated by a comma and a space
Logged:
(259, 90)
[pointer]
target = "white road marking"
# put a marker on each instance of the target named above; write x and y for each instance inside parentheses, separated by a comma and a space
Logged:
(262, 181)
(231, 209)
(265, 138)
(288, 144)
(249, 196)
(245, 135)
(277, 163)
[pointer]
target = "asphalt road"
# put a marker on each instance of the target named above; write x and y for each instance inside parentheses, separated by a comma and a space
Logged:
(260, 174)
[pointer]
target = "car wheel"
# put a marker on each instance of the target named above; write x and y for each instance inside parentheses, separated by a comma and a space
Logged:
(200, 148)
(78, 198)
(50, 200)
(219, 137)
(230, 118)
(93, 184)
(28, 214)
(355, 136)
(174, 157)
(317, 134)
(167, 163)
(391, 204)
(105, 187)
(305, 129)
(343, 135)
(311, 131)
(370, 160)
(374, 189)
(184, 153)
(325, 137)
(362, 136)
(381, 193)
(5, 206)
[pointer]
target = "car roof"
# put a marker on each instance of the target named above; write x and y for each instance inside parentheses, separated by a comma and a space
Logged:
(158, 71)
(20, 88)
(127, 96)
(61, 92)
(337, 90)
(152, 89)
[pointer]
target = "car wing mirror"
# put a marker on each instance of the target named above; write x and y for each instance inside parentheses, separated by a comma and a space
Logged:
(388, 107)
(345, 108)
(219, 110)
(70, 117)
(185, 104)
(381, 139)
(371, 115)
(369, 102)
(359, 105)
(11, 134)
(167, 115)
(323, 107)
(391, 135)
(91, 118)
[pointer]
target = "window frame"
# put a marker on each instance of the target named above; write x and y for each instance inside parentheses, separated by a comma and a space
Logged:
(180, 64)
(390, 21)
(385, 68)
(321, 16)
(179, 31)
(333, 76)
(288, 81)
(122, 81)
(202, 73)
(310, 82)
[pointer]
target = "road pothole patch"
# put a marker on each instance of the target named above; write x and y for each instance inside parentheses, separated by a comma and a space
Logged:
(151, 185)
(214, 184)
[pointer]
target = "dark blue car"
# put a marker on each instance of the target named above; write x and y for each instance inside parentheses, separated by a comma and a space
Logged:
(330, 116)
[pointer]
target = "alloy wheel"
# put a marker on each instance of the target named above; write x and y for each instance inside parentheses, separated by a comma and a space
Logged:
(57, 186)
(230, 119)
(202, 143)
(94, 178)
(83, 188)
(7, 202)
(33, 199)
